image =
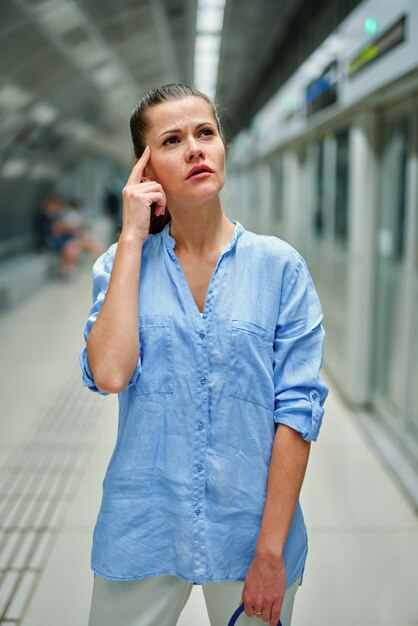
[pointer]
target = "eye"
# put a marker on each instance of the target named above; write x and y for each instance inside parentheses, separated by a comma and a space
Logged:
(206, 132)
(170, 141)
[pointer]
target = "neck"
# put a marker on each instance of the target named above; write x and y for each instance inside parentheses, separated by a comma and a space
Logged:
(200, 230)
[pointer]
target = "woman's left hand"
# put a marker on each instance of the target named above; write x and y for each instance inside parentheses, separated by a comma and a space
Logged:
(264, 588)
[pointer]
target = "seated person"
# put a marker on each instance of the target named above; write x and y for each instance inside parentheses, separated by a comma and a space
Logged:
(62, 231)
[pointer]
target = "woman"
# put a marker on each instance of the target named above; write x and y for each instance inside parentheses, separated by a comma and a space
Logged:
(212, 337)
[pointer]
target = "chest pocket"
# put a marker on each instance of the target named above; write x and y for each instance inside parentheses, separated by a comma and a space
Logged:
(155, 338)
(251, 364)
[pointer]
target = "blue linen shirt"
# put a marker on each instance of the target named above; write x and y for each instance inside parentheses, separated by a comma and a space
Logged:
(185, 488)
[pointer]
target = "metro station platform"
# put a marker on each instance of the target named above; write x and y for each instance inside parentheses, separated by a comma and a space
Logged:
(56, 439)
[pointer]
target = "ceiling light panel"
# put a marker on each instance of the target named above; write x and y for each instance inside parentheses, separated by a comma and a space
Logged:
(13, 97)
(209, 20)
(207, 44)
(14, 168)
(61, 18)
(107, 75)
(43, 113)
(209, 24)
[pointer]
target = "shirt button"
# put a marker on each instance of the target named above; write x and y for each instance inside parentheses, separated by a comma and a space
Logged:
(202, 335)
(200, 425)
(314, 395)
(197, 511)
(199, 468)
(203, 381)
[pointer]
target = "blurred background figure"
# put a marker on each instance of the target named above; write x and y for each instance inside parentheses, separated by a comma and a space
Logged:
(75, 219)
(62, 230)
(112, 205)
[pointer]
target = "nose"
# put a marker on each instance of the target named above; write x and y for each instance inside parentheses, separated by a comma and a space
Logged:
(194, 149)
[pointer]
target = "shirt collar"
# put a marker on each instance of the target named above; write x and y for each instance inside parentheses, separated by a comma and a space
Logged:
(170, 242)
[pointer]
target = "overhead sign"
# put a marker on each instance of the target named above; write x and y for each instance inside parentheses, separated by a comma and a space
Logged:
(380, 46)
(322, 91)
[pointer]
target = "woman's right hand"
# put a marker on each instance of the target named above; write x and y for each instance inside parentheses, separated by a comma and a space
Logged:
(137, 200)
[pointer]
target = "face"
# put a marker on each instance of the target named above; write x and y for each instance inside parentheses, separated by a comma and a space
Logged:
(183, 138)
(52, 206)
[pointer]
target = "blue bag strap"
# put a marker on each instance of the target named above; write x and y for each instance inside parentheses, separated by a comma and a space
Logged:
(237, 613)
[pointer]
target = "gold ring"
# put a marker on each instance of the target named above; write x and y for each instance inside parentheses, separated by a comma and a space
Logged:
(257, 612)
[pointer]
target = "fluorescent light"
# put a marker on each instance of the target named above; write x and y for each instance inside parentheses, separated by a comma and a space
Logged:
(211, 4)
(205, 67)
(106, 75)
(13, 97)
(61, 18)
(209, 20)
(43, 113)
(207, 44)
(209, 24)
(13, 168)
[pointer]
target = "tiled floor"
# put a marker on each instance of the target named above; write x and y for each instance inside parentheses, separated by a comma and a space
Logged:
(55, 442)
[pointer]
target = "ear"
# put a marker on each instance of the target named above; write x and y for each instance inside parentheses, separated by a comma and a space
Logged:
(146, 175)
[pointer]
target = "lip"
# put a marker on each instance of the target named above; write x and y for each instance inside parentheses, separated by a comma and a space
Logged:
(203, 169)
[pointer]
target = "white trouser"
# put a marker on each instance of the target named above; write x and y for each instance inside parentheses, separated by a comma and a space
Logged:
(159, 600)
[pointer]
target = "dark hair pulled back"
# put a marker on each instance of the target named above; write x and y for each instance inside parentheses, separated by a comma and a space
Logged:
(139, 126)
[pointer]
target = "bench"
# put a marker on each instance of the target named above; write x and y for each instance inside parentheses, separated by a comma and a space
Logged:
(21, 275)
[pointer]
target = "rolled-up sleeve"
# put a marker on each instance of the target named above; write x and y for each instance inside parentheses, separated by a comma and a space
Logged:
(299, 391)
(102, 269)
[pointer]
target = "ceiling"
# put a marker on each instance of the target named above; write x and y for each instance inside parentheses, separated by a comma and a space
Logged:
(71, 71)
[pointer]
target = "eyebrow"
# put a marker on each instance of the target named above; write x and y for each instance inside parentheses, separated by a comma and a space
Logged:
(178, 130)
